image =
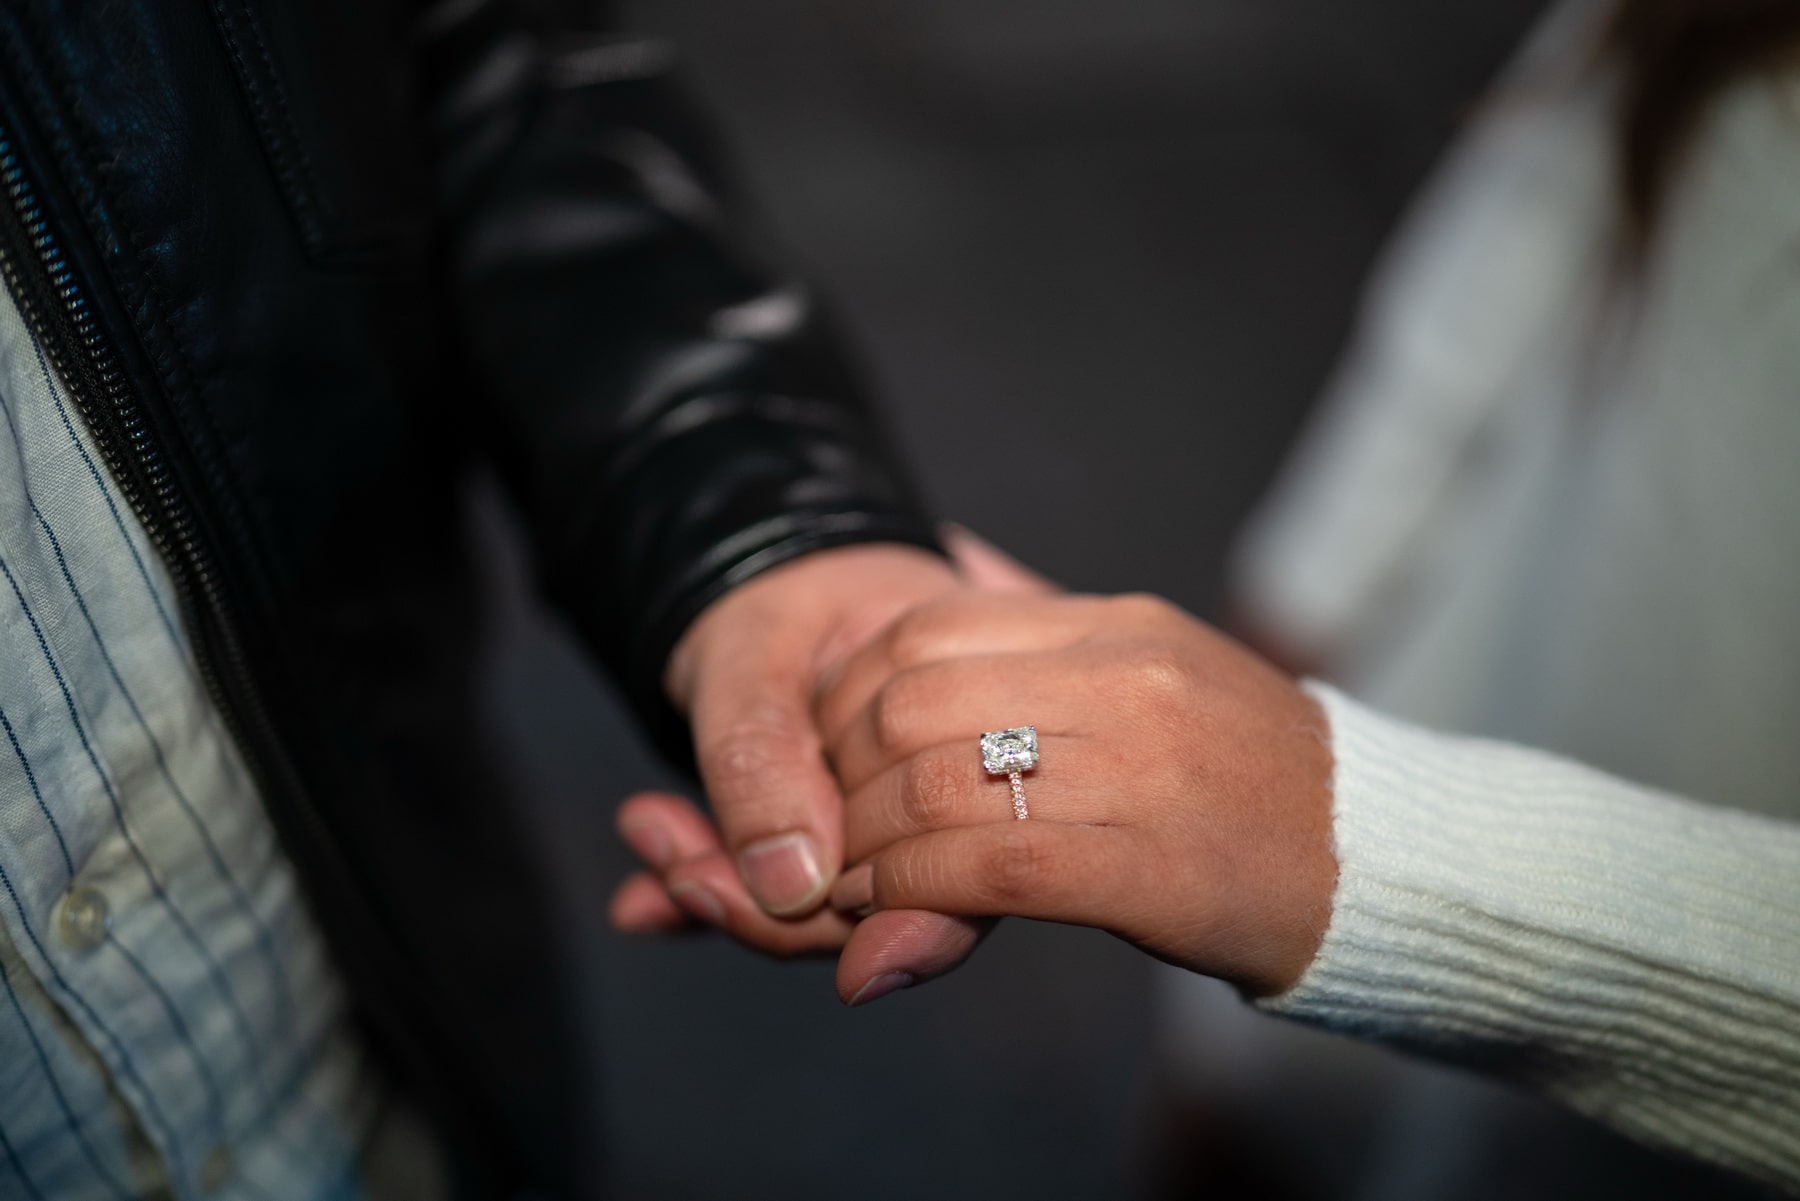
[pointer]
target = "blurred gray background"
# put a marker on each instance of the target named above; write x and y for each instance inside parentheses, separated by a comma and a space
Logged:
(1133, 231)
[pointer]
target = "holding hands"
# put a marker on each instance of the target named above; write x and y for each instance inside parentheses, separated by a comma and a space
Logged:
(1182, 799)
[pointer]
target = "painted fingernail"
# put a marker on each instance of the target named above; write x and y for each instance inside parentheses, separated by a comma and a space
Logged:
(881, 986)
(699, 900)
(783, 873)
(855, 891)
(649, 842)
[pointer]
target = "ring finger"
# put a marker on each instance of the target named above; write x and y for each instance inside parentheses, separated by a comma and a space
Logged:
(942, 702)
(945, 786)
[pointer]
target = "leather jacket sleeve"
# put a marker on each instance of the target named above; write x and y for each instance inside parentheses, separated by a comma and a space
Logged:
(669, 409)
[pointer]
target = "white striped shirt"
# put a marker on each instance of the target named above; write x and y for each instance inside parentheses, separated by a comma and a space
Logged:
(169, 1021)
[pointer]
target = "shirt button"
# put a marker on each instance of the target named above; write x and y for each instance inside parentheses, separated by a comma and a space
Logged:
(215, 1170)
(84, 918)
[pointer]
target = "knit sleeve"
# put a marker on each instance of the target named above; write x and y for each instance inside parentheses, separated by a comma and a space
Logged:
(1631, 954)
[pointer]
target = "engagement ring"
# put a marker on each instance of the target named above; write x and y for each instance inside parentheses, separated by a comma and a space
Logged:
(1008, 753)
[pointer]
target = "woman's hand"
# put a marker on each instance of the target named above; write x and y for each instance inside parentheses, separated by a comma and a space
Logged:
(1182, 800)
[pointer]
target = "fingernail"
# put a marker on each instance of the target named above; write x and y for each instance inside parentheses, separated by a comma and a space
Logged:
(881, 986)
(783, 872)
(855, 891)
(649, 842)
(698, 900)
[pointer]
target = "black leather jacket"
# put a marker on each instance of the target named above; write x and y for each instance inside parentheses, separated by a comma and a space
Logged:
(305, 265)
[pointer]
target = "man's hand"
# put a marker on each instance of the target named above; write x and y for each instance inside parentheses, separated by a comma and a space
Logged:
(747, 674)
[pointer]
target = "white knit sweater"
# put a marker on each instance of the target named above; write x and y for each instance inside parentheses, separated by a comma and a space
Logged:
(1547, 506)
(1630, 953)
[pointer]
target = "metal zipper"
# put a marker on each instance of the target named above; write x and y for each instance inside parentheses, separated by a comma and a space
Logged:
(57, 310)
(53, 303)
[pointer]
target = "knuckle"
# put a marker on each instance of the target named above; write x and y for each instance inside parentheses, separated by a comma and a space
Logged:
(1145, 607)
(913, 635)
(1159, 675)
(906, 875)
(891, 717)
(930, 791)
(744, 760)
(1018, 866)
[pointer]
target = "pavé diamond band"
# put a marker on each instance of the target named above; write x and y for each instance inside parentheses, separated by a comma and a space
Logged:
(1009, 753)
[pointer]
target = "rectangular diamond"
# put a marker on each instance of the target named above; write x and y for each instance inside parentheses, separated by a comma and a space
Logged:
(1007, 751)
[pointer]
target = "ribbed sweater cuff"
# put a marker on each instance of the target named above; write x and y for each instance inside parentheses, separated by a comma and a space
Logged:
(1630, 953)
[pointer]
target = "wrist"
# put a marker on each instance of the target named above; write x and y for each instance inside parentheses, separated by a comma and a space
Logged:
(1286, 877)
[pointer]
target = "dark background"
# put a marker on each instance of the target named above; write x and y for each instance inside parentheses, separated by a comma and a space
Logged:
(1130, 232)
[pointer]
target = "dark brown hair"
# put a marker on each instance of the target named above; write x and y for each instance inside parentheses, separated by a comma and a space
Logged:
(1675, 56)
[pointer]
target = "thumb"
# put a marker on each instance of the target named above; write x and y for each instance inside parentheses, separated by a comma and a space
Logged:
(761, 761)
(988, 568)
(747, 672)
